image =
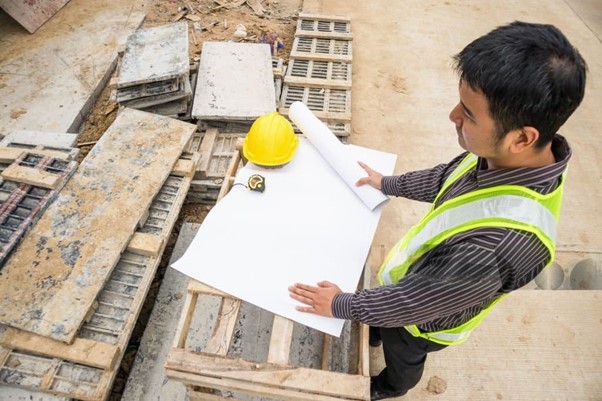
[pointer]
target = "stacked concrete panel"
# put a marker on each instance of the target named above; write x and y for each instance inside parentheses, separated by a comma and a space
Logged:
(154, 74)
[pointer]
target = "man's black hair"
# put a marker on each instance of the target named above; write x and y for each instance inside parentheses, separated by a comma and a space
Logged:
(530, 74)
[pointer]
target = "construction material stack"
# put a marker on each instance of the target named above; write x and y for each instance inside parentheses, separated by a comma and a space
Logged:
(319, 70)
(70, 294)
(161, 85)
(235, 86)
(34, 167)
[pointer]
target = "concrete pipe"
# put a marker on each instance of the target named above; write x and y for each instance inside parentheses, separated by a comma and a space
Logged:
(586, 275)
(551, 277)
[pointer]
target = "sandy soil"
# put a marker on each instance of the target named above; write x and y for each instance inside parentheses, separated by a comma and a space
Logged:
(208, 21)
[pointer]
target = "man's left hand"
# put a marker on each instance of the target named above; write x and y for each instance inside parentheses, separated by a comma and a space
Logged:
(318, 299)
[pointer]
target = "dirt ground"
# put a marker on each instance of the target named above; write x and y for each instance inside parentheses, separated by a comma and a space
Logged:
(208, 21)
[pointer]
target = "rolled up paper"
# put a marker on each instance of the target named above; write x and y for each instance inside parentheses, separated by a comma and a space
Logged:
(335, 153)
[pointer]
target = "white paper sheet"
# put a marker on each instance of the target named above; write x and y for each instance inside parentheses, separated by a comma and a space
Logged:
(306, 227)
(331, 149)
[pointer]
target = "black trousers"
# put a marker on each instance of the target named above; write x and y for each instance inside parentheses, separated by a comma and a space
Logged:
(405, 356)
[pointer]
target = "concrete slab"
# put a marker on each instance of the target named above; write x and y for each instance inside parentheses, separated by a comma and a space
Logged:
(49, 80)
(32, 15)
(155, 54)
(235, 82)
(35, 138)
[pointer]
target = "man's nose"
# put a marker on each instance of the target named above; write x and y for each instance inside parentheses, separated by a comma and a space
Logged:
(455, 116)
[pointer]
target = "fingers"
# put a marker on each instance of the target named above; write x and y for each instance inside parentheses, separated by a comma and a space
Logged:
(302, 293)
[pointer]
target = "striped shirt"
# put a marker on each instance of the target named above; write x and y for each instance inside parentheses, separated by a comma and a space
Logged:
(455, 281)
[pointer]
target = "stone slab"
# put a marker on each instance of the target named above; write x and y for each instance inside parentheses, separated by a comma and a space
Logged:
(235, 82)
(50, 282)
(50, 80)
(32, 14)
(35, 138)
(155, 54)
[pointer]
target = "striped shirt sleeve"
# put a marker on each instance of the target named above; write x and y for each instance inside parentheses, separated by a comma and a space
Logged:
(421, 185)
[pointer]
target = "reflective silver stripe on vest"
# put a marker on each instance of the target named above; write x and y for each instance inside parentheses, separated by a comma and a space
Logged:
(511, 207)
(450, 337)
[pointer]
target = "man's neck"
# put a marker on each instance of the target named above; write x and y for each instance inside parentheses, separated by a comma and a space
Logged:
(531, 159)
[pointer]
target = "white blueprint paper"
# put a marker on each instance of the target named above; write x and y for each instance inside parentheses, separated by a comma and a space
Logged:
(306, 227)
(332, 151)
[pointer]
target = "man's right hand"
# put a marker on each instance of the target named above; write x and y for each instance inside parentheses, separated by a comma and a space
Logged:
(374, 177)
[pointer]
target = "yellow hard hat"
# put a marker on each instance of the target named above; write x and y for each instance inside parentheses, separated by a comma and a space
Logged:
(271, 141)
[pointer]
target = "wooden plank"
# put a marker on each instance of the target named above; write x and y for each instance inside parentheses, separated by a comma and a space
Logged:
(317, 82)
(199, 396)
(341, 58)
(4, 354)
(62, 263)
(324, 17)
(219, 343)
(50, 375)
(31, 176)
(206, 148)
(183, 168)
(198, 287)
(373, 262)
(32, 15)
(280, 340)
(325, 35)
(9, 155)
(323, 115)
(145, 244)
(265, 378)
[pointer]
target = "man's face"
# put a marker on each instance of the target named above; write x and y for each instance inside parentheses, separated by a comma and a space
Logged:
(475, 127)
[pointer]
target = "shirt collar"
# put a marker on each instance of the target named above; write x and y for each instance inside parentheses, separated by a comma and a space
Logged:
(527, 176)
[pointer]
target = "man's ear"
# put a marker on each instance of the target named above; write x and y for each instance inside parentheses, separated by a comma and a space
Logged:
(523, 138)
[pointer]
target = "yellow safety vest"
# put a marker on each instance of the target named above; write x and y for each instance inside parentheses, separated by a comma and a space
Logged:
(508, 206)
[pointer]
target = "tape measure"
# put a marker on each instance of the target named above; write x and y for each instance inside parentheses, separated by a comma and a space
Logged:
(256, 183)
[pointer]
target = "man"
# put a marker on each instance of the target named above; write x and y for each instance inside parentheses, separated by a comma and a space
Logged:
(491, 227)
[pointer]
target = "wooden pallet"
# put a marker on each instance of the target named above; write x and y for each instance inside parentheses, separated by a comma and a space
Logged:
(212, 371)
(217, 150)
(324, 26)
(318, 74)
(319, 71)
(27, 187)
(87, 368)
(311, 48)
(327, 104)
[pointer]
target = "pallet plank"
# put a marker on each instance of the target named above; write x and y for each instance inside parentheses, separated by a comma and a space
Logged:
(83, 351)
(269, 379)
(53, 262)
(31, 176)
(206, 148)
(280, 341)
(145, 244)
